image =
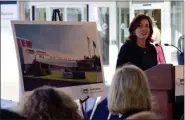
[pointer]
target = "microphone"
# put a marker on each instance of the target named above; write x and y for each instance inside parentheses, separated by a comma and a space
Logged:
(166, 44)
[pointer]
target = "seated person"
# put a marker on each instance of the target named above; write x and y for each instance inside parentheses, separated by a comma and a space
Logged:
(129, 92)
(47, 103)
(145, 115)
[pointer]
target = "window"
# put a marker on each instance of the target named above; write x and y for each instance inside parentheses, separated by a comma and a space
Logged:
(177, 24)
(177, 20)
(102, 19)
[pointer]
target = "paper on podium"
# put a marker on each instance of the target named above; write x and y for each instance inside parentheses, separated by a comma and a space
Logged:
(179, 80)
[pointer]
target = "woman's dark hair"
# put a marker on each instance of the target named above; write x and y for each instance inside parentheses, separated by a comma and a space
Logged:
(46, 103)
(135, 23)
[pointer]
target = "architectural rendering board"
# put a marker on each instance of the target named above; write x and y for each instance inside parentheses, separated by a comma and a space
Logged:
(65, 55)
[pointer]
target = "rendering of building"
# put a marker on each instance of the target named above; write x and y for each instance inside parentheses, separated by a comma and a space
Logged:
(39, 62)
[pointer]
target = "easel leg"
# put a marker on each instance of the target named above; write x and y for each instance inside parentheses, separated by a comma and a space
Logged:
(82, 108)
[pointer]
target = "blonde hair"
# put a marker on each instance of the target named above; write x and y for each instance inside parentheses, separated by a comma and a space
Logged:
(47, 103)
(129, 90)
(145, 115)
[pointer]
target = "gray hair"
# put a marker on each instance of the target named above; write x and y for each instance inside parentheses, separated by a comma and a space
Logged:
(129, 90)
(47, 103)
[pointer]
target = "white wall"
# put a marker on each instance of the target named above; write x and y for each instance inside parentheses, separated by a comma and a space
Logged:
(9, 66)
(166, 30)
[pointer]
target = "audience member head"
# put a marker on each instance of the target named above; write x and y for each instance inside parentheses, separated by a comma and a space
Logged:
(10, 115)
(129, 90)
(47, 103)
(145, 115)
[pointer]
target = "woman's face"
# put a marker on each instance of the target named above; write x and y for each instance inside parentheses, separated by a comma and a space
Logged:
(143, 29)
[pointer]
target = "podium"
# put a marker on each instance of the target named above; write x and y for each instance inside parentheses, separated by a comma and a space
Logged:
(162, 84)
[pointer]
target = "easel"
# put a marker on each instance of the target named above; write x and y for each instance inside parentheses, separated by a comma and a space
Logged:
(82, 108)
(54, 18)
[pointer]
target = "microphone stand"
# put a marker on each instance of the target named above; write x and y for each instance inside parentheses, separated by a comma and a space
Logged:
(181, 54)
(174, 46)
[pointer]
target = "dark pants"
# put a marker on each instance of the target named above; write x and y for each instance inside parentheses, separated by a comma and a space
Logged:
(178, 110)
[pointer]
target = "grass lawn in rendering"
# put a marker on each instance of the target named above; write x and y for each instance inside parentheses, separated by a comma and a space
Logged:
(91, 77)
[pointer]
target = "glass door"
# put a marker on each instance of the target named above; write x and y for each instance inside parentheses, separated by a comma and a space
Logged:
(40, 14)
(102, 20)
(122, 22)
(104, 15)
(71, 12)
(67, 12)
(76, 14)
